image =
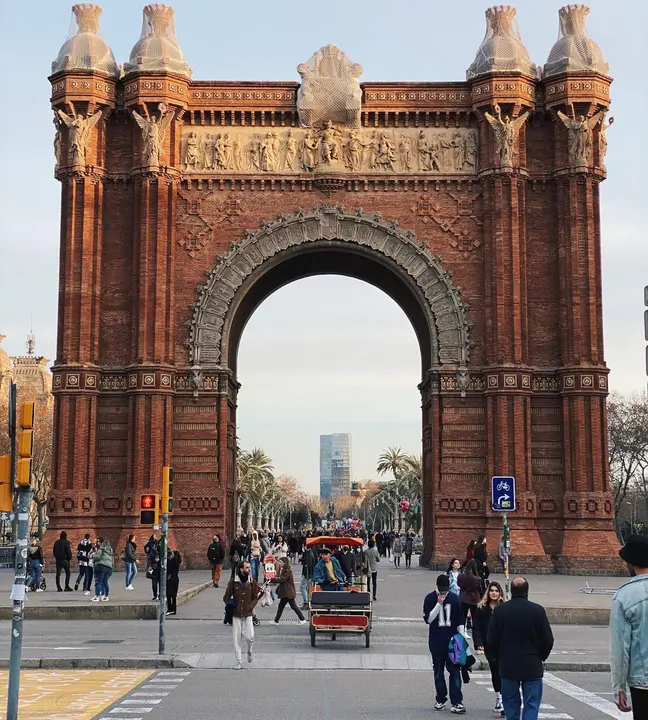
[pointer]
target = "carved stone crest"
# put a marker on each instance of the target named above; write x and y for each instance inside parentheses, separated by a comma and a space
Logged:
(330, 89)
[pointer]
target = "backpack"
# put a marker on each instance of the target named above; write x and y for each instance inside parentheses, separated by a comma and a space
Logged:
(458, 650)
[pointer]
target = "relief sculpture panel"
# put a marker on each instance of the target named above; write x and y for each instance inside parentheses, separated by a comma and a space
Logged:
(251, 150)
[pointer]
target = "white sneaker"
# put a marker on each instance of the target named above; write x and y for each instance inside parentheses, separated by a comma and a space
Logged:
(302, 622)
(238, 666)
(96, 598)
(105, 599)
(87, 592)
(39, 589)
(498, 706)
(275, 622)
(130, 587)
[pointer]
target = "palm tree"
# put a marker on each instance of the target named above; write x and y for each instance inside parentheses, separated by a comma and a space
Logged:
(254, 474)
(392, 460)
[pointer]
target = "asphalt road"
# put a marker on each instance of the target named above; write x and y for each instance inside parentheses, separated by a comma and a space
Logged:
(329, 695)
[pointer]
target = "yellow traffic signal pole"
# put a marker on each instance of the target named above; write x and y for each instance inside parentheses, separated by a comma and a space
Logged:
(24, 442)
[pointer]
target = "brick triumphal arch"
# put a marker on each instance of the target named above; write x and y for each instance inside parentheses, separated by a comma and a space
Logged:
(474, 205)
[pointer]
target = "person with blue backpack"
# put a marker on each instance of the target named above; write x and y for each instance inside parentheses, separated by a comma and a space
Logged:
(443, 612)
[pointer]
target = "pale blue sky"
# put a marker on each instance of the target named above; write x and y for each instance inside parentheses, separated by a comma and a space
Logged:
(344, 352)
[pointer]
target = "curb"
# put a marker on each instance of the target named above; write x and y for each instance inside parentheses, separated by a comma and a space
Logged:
(99, 611)
(174, 661)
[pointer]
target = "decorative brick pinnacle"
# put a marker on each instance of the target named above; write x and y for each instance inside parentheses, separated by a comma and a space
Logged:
(573, 17)
(500, 17)
(87, 17)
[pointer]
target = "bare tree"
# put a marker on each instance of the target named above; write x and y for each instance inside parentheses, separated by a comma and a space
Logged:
(628, 446)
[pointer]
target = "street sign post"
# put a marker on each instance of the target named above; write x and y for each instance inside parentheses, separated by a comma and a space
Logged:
(503, 500)
(503, 493)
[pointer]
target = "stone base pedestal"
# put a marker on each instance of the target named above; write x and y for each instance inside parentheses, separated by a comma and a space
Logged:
(590, 551)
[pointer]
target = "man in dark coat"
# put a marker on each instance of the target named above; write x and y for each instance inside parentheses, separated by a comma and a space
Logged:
(520, 639)
(62, 555)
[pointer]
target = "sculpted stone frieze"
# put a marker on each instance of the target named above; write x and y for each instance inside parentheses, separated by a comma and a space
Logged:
(447, 313)
(253, 150)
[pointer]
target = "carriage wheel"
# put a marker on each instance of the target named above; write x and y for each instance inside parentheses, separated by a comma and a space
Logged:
(312, 634)
(333, 636)
(367, 637)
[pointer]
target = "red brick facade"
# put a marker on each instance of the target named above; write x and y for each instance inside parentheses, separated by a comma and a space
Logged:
(516, 251)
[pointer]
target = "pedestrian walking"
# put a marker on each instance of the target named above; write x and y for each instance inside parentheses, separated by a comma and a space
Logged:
(89, 574)
(470, 593)
(103, 566)
(470, 551)
(242, 594)
(629, 631)
(409, 549)
(255, 555)
(481, 558)
(483, 613)
(236, 553)
(280, 548)
(397, 550)
(519, 639)
(453, 571)
(308, 561)
(152, 550)
(372, 558)
(286, 591)
(216, 555)
(34, 565)
(83, 548)
(62, 556)
(130, 561)
(443, 613)
(174, 560)
(347, 562)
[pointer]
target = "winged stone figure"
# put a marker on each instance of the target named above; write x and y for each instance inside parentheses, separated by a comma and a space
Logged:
(79, 130)
(153, 132)
(505, 131)
(579, 131)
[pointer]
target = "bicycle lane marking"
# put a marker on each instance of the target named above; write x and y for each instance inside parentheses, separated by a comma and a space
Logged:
(71, 694)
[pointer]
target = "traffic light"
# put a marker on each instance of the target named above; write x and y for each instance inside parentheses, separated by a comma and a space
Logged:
(6, 496)
(25, 444)
(167, 489)
(150, 509)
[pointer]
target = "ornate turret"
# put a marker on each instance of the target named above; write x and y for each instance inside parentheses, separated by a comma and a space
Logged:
(85, 50)
(501, 49)
(157, 48)
(575, 51)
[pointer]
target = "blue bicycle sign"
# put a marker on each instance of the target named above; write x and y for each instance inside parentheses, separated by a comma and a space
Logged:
(503, 494)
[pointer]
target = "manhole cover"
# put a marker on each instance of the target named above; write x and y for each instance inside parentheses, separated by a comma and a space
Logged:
(103, 642)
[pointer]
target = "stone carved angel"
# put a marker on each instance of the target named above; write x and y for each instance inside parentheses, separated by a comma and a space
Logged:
(579, 130)
(153, 132)
(57, 141)
(505, 130)
(196, 379)
(79, 131)
(602, 139)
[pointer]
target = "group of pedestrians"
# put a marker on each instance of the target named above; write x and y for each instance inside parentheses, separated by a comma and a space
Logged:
(96, 562)
(515, 636)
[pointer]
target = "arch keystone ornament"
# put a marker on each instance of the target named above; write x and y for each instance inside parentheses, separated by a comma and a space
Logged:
(359, 231)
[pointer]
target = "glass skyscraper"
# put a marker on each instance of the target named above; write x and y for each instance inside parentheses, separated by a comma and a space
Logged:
(335, 465)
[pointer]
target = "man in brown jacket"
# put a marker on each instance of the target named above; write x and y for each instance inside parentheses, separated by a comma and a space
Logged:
(243, 592)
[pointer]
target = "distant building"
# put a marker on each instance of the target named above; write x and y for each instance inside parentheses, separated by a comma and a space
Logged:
(29, 372)
(335, 465)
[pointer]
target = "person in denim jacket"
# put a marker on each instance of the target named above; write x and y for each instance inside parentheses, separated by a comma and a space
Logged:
(629, 631)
